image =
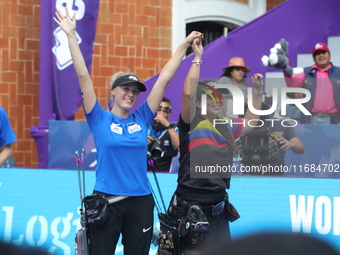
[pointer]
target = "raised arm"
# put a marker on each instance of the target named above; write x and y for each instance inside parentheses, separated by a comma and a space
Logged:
(68, 25)
(256, 101)
(189, 88)
(295, 81)
(169, 70)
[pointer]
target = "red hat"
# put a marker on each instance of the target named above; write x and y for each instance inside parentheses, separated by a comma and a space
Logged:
(320, 46)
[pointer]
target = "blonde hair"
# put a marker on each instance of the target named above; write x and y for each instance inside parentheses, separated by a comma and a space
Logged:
(118, 75)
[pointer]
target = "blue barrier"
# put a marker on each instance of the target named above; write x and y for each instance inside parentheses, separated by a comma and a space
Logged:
(321, 157)
(39, 207)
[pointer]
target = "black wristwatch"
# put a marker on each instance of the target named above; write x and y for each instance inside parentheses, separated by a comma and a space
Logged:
(170, 126)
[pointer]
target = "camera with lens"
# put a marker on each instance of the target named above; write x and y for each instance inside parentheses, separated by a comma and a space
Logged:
(154, 149)
(259, 146)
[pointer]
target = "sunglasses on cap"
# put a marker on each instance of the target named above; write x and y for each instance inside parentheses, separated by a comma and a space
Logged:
(165, 108)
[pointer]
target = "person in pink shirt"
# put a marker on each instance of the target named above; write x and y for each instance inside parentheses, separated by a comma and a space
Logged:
(323, 81)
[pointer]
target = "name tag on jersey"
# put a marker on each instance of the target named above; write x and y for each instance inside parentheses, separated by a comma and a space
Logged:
(116, 129)
(134, 128)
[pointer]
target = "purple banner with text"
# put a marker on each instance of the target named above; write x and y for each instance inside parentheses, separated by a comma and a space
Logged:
(60, 96)
(67, 96)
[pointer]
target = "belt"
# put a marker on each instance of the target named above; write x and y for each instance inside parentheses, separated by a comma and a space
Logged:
(324, 114)
(213, 209)
(111, 199)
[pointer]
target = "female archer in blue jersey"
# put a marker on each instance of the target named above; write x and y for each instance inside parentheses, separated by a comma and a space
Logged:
(121, 141)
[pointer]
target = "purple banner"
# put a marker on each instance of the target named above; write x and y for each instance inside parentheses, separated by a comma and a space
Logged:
(60, 96)
(67, 97)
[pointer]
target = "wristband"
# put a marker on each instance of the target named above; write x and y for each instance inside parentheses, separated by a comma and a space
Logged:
(171, 125)
(198, 62)
(257, 92)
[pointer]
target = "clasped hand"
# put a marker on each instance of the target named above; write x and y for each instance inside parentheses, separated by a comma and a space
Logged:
(257, 79)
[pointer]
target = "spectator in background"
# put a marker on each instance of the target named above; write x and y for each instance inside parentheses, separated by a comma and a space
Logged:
(286, 139)
(235, 74)
(7, 137)
(274, 136)
(167, 134)
(322, 80)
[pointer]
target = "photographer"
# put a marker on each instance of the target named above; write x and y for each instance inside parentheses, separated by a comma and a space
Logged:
(163, 137)
(263, 149)
(286, 138)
